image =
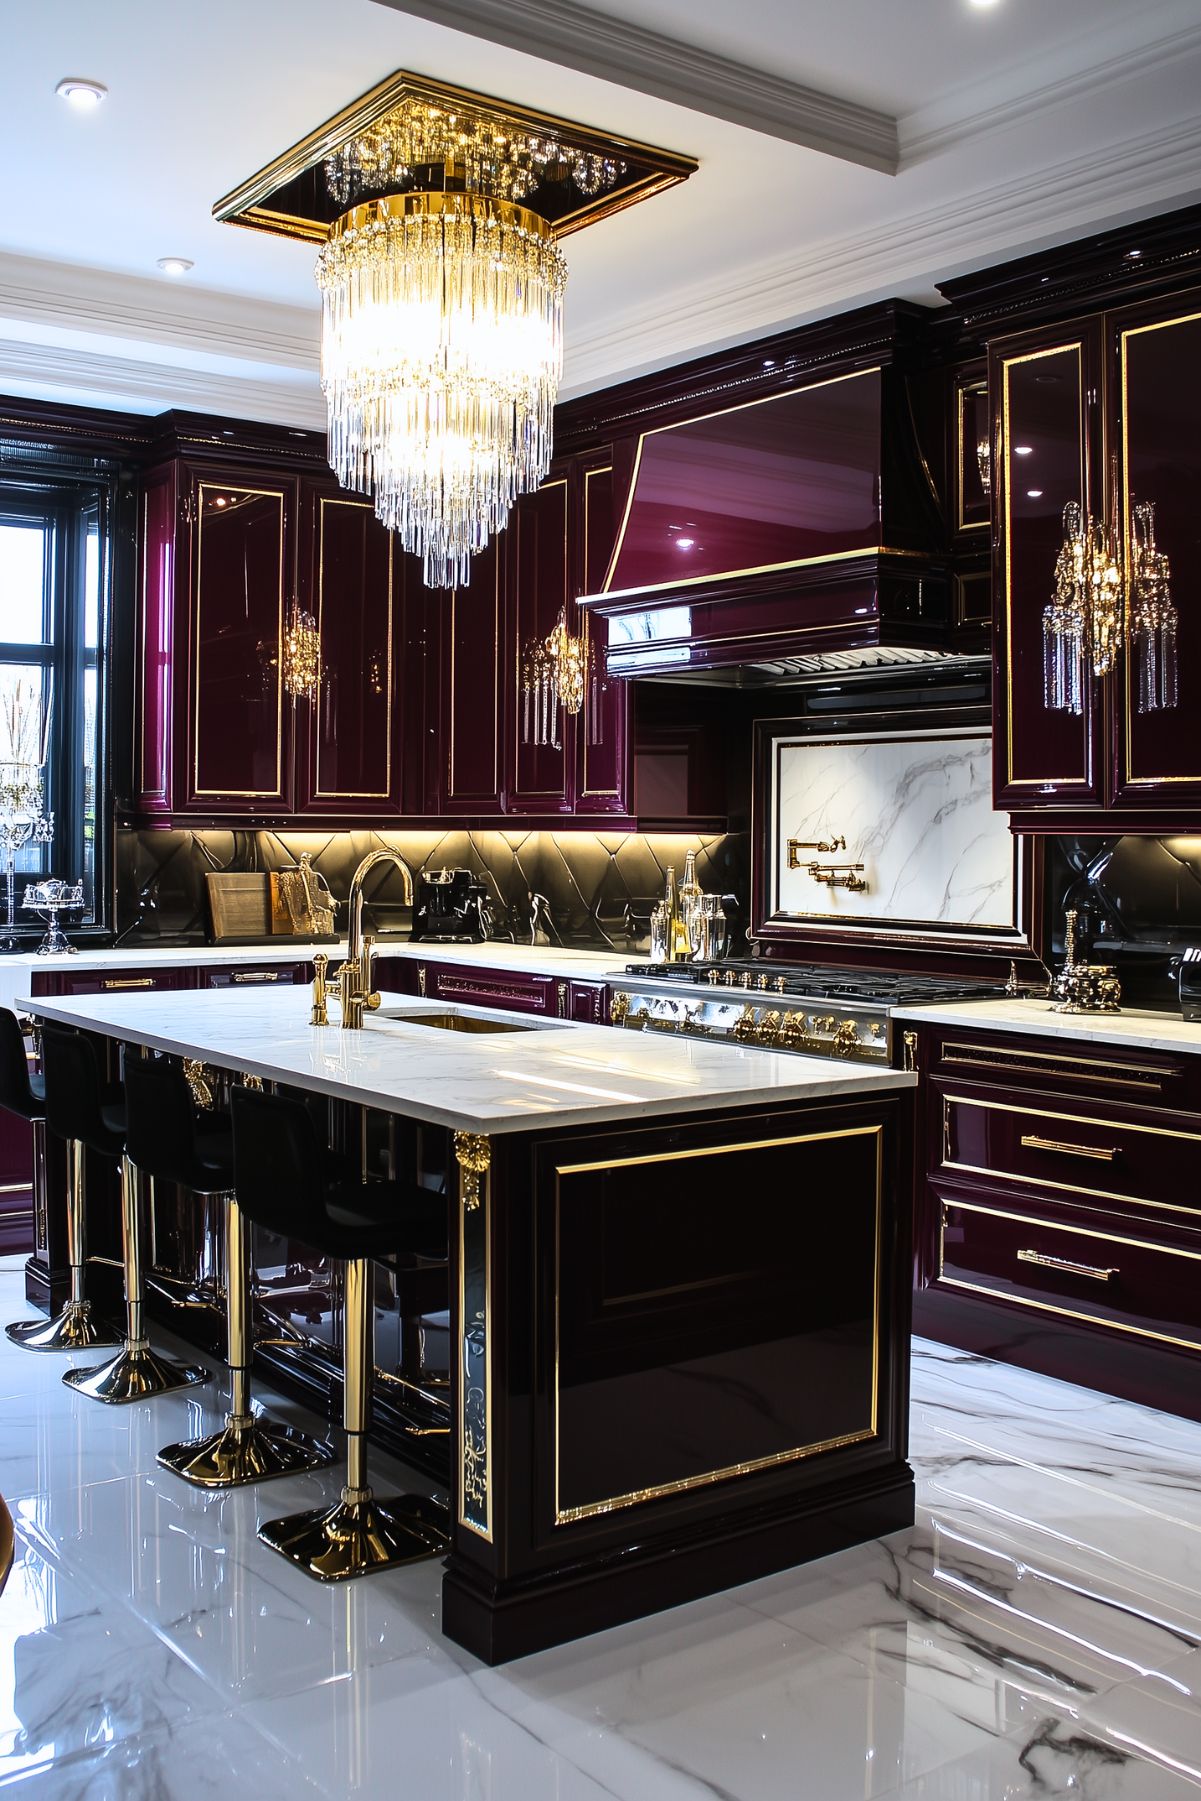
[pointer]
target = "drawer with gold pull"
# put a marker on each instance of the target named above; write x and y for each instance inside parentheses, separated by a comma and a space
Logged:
(90, 980)
(1091, 1275)
(1069, 1152)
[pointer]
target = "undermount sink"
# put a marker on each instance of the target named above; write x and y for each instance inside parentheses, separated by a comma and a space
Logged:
(458, 1022)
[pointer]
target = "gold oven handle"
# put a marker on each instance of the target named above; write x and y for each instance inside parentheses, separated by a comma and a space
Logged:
(128, 982)
(1066, 1266)
(1100, 1153)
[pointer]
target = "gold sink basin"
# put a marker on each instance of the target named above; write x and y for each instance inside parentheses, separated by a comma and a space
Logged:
(459, 1022)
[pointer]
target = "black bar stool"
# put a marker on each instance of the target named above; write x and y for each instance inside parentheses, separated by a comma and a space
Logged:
(73, 1329)
(165, 1140)
(288, 1182)
(81, 1106)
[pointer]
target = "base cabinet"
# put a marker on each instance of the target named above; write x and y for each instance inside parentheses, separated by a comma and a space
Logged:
(1058, 1212)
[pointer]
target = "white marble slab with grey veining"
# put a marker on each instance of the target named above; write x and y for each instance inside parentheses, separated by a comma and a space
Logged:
(526, 1075)
(1132, 1028)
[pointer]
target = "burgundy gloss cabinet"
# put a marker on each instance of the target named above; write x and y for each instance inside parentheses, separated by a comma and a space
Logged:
(1118, 392)
(225, 556)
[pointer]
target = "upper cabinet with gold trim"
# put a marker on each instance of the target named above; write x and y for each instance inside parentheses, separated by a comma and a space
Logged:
(227, 557)
(1102, 412)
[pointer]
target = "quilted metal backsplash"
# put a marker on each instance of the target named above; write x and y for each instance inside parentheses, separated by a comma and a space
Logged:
(600, 886)
(1140, 906)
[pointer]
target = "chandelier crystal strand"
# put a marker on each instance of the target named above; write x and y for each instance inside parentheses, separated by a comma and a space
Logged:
(442, 348)
(1084, 625)
(1152, 615)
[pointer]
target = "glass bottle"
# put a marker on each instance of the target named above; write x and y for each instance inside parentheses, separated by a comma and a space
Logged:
(691, 902)
(679, 945)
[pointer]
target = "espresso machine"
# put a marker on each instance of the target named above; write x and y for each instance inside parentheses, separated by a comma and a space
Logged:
(452, 908)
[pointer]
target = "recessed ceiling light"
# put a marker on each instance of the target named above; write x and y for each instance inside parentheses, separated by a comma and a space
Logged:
(1034, 493)
(1023, 450)
(983, 3)
(81, 93)
(175, 265)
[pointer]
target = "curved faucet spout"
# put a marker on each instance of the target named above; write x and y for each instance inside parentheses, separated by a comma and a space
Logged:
(354, 949)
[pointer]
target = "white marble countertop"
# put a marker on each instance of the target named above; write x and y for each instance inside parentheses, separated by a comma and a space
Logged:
(1145, 1031)
(16, 966)
(517, 1080)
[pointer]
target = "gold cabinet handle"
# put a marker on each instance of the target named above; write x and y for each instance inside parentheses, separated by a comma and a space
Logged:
(128, 982)
(909, 1052)
(1066, 1266)
(1098, 1152)
(256, 975)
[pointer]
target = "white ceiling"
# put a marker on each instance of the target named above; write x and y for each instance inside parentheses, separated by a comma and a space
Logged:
(1010, 127)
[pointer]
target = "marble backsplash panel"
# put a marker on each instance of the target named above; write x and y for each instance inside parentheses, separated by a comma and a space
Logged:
(916, 812)
(600, 886)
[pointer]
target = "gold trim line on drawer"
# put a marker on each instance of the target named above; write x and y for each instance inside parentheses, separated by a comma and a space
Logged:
(1027, 1062)
(1074, 1119)
(589, 1509)
(1102, 1153)
(1018, 1300)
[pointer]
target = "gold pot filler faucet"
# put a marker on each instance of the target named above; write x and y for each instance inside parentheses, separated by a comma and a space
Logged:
(354, 993)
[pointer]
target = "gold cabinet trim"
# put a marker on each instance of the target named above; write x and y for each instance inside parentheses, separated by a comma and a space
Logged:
(1026, 1062)
(474, 1158)
(520, 638)
(1137, 331)
(1002, 474)
(1011, 1176)
(276, 793)
(961, 393)
(320, 793)
(1094, 1319)
(586, 629)
(565, 1516)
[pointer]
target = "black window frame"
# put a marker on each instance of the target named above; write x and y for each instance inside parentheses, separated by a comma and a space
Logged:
(73, 502)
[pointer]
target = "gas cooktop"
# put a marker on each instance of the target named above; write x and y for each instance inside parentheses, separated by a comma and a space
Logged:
(870, 987)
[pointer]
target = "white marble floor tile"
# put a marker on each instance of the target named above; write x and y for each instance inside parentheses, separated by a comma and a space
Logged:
(77, 1672)
(1058, 1761)
(213, 1759)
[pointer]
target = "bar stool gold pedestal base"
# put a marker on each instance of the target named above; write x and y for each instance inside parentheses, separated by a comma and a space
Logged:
(74, 1329)
(138, 1374)
(247, 1450)
(352, 1538)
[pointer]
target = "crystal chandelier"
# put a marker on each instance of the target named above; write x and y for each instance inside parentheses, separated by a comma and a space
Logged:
(301, 658)
(438, 212)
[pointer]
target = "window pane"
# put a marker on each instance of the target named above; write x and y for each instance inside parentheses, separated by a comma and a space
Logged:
(22, 583)
(91, 585)
(24, 695)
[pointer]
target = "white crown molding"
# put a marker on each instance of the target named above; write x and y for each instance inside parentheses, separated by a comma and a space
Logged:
(51, 371)
(985, 107)
(70, 298)
(1136, 175)
(617, 50)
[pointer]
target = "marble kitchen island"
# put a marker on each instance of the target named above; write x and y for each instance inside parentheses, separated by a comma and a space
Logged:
(678, 1290)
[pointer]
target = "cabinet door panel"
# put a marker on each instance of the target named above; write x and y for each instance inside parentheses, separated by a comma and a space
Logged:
(354, 759)
(602, 782)
(1159, 362)
(537, 533)
(240, 749)
(1041, 758)
(473, 664)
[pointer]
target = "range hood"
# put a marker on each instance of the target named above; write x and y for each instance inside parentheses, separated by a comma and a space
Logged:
(759, 539)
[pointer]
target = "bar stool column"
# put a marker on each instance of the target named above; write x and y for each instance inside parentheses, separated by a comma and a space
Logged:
(74, 1328)
(138, 1372)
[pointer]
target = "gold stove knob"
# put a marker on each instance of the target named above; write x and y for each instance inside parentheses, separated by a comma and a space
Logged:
(846, 1038)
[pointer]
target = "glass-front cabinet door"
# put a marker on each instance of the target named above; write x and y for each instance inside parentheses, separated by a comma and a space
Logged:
(353, 591)
(1044, 757)
(239, 726)
(1157, 743)
(602, 747)
(541, 740)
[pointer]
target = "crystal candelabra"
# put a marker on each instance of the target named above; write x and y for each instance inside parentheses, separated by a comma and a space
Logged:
(48, 899)
(22, 822)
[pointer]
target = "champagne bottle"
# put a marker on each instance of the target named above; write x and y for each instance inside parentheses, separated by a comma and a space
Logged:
(691, 902)
(679, 947)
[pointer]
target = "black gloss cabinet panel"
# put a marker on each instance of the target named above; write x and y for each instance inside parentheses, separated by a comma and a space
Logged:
(698, 1333)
